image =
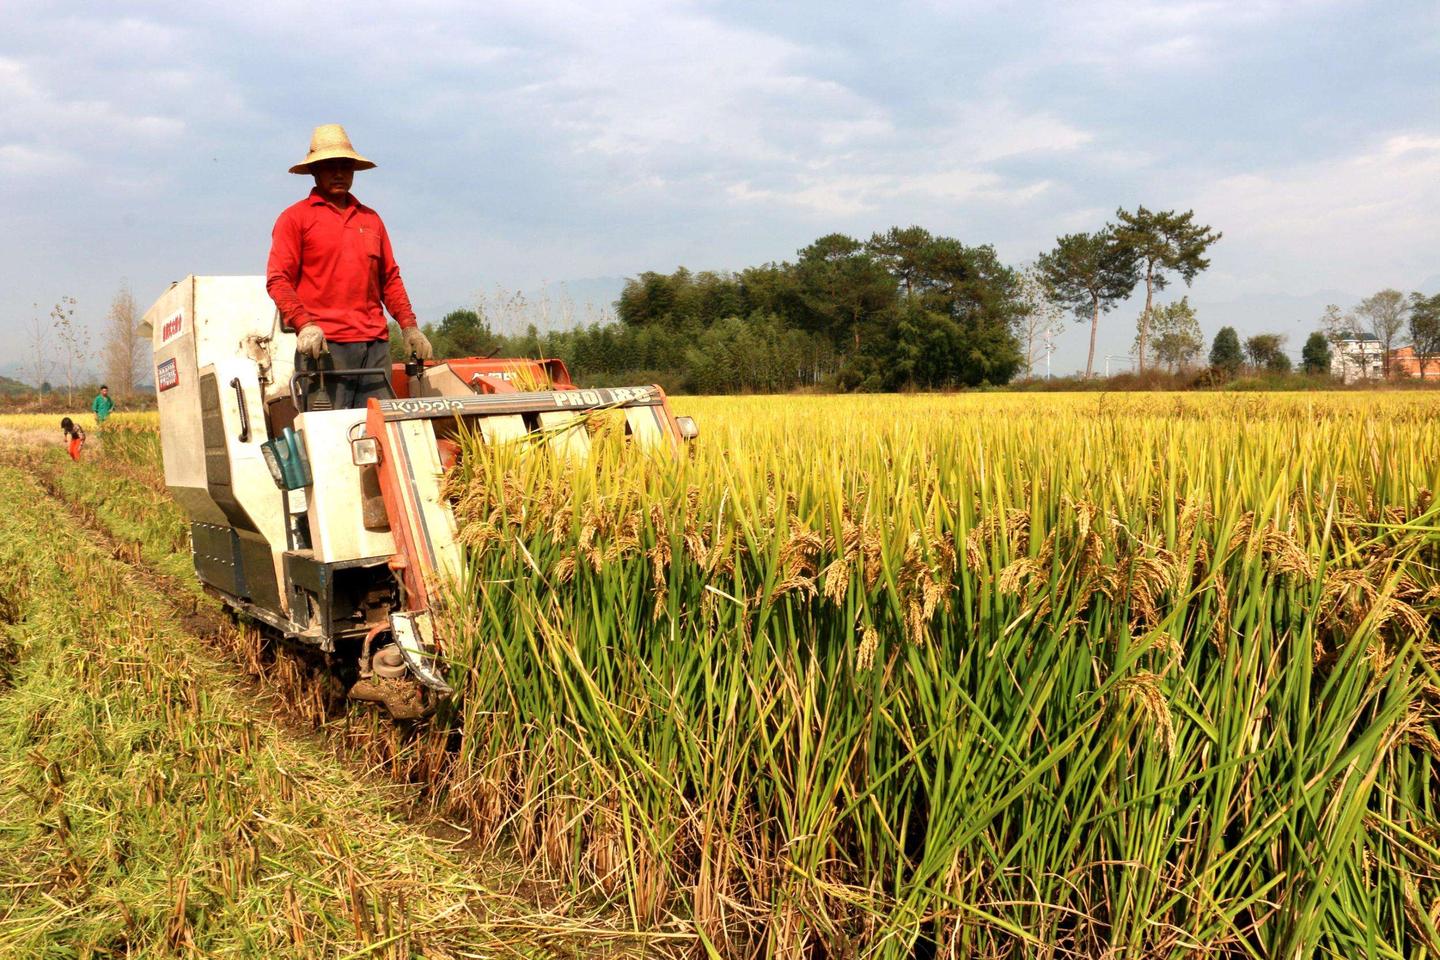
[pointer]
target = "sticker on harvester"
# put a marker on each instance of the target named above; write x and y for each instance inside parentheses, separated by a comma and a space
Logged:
(172, 328)
(498, 403)
(166, 376)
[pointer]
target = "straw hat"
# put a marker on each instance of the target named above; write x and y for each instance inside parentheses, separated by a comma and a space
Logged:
(328, 142)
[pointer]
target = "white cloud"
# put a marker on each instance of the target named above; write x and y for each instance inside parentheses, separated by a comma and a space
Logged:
(1360, 221)
(669, 86)
(844, 195)
(25, 160)
(1121, 35)
(990, 130)
(47, 129)
(15, 81)
(692, 106)
(839, 196)
(949, 163)
(691, 102)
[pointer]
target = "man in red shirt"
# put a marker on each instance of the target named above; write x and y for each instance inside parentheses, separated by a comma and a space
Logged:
(331, 269)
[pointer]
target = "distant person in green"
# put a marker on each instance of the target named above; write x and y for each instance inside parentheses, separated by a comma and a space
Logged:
(102, 404)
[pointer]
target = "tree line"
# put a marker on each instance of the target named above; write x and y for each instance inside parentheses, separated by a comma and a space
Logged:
(904, 309)
(1368, 334)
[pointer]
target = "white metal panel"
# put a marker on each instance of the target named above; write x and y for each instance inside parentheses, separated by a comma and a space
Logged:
(441, 381)
(182, 447)
(434, 513)
(645, 429)
(566, 433)
(250, 480)
(227, 311)
(337, 529)
(503, 428)
(224, 325)
(197, 322)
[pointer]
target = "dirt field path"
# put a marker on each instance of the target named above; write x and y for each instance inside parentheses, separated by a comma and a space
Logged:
(155, 801)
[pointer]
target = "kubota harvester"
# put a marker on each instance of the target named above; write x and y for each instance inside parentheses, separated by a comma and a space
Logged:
(328, 526)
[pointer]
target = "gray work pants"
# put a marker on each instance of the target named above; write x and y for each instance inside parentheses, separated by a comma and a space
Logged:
(343, 391)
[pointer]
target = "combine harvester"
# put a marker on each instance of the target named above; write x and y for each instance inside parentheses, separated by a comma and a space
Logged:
(328, 526)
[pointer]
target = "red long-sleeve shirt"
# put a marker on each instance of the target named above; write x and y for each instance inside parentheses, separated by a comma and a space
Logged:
(335, 267)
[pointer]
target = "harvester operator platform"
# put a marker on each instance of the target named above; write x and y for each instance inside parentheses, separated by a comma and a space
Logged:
(332, 270)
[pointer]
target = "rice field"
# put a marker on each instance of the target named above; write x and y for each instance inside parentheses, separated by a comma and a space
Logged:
(985, 676)
(51, 421)
(18, 430)
(1136, 675)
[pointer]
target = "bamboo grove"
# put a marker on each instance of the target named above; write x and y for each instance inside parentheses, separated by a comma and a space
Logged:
(969, 676)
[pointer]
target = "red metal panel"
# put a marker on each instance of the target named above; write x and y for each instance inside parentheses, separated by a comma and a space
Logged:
(408, 561)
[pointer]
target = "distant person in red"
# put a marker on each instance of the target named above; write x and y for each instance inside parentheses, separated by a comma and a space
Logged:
(332, 270)
(74, 437)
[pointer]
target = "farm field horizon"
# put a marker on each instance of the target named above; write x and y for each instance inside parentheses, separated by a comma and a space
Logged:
(1139, 675)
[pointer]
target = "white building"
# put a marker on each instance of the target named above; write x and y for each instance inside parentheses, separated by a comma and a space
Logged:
(1358, 357)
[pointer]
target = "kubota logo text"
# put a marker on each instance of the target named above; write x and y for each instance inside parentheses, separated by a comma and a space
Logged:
(172, 328)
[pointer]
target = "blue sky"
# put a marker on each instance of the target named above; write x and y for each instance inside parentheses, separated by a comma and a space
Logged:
(526, 143)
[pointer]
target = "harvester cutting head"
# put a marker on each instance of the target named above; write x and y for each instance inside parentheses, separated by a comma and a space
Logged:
(408, 443)
(497, 401)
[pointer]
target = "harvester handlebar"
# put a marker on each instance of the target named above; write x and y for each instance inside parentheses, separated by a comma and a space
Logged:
(381, 372)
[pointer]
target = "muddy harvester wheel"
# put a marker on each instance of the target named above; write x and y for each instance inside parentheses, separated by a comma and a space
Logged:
(388, 683)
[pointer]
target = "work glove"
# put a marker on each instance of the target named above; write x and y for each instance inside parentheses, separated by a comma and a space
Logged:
(417, 343)
(311, 341)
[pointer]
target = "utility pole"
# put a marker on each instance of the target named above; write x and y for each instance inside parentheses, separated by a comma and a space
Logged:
(1122, 359)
